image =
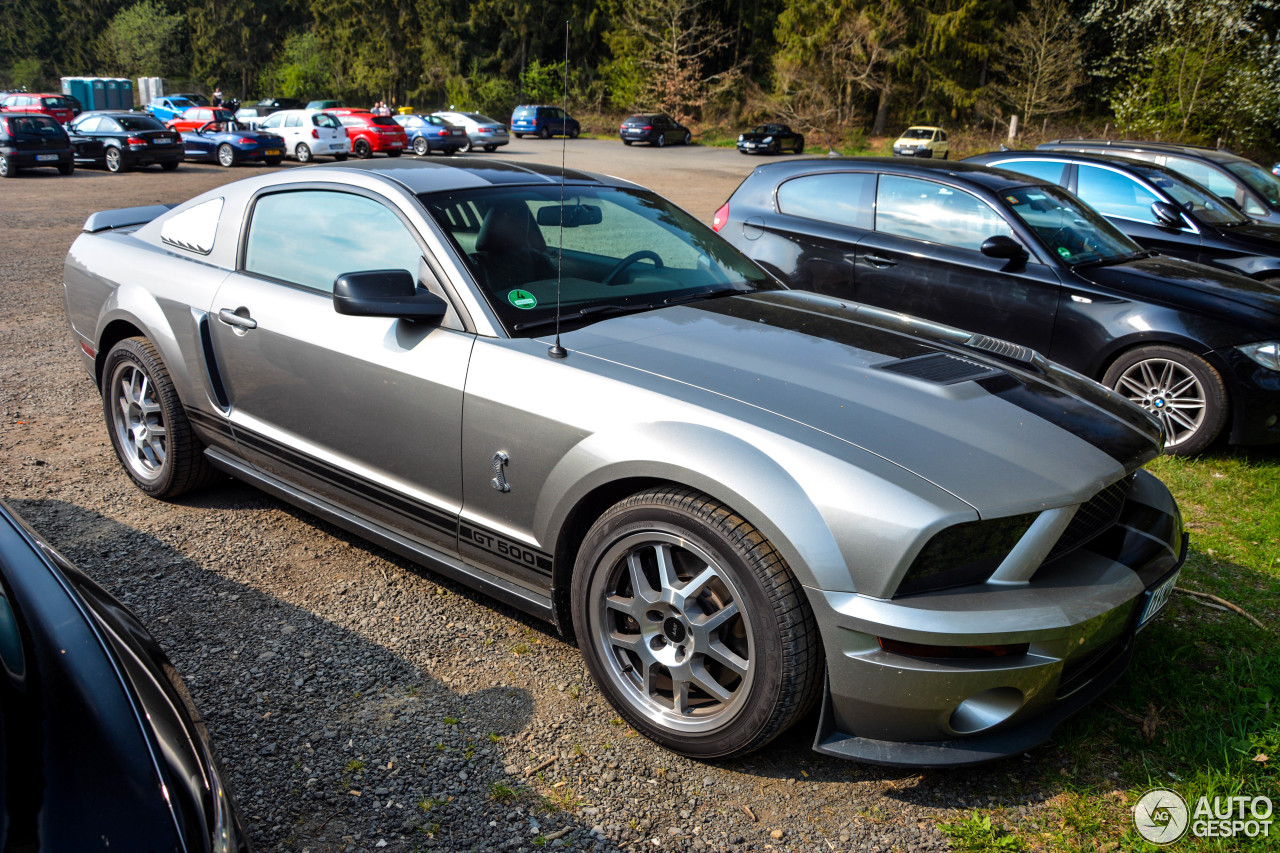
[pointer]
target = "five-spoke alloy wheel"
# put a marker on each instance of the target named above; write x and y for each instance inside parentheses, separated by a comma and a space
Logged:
(692, 624)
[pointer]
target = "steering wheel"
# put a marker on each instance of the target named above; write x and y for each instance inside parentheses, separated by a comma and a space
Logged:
(643, 254)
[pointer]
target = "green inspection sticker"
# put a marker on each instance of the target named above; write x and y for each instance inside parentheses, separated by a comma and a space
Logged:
(522, 299)
(1064, 251)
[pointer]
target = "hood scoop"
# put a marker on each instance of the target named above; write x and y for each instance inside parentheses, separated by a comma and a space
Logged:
(941, 368)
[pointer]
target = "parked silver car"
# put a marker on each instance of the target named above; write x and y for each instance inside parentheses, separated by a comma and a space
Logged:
(482, 131)
(573, 396)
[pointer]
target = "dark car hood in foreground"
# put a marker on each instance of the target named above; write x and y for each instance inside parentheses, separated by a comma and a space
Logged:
(1002, 442)
(1173, 281)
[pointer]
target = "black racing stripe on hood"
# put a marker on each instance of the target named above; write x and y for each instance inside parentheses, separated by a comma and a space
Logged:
(830, 327)
(1122, 442)
(1095, 421)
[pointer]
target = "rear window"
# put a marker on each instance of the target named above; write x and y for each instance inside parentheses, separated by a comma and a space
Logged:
(525, 112)
(479, 117)
(324, 120)
(383, 121)
(34, 126)
(56, 103)
(139, 122)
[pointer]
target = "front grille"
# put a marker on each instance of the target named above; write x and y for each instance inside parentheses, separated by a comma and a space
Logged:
(1093, 517)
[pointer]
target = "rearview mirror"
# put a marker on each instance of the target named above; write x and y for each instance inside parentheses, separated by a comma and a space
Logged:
(574, 215)
(1004, 247)
(385, 293)
(1168, 214)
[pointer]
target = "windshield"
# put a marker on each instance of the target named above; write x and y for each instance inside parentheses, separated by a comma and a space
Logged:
(1263, 182)
(623, 250)
(767, 128)
(1194, 198)
(1070, 229)
(918, 133)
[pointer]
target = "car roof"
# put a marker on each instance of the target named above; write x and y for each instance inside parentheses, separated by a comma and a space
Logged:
(923, 127)
(427, 176)
(1100, 158)
(1214, 154)
(972, 174)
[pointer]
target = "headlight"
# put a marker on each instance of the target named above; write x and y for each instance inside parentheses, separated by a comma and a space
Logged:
(1267, 354)
(767, 139)
(964, 554)
(739, 137)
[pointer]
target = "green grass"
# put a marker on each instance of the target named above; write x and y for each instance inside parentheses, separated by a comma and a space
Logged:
(1208, 678)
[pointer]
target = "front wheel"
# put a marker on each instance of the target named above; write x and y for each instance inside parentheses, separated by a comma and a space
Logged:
(573, 132)
(1181, 389)
(688, 138)
(946, 155)
(800, 147)
(147, 424)
(226, 155)
(693, 626)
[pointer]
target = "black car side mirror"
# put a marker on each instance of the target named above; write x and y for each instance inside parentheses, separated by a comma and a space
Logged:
(1168, 214)
(385, 293)
(1004, 247)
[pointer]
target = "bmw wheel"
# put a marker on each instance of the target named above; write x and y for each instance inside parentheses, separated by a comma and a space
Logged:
(148, 426)
(1178, 387)
(113, 160)
(420, 146)
(693, 626)
(302, 152)
(226, 155)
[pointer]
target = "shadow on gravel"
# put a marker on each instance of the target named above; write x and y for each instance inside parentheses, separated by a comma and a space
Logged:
(332, 741)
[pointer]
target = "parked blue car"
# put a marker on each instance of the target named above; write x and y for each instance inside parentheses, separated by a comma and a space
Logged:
(546, 122)
(228, 143)
(432, 133)
(169, 107)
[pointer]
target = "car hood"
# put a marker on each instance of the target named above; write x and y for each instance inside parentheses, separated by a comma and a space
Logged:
(999, 435)
(1185, 284)
(1258, 236)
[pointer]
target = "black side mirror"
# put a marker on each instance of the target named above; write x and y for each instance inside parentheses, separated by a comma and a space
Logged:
(1168, 214)
(385, 293)
(1004, 247)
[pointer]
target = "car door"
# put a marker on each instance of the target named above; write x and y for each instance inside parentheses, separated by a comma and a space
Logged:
(1126, 202)
(923, 258)
(365, 412)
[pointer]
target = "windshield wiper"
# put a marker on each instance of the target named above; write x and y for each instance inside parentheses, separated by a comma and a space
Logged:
(713, 293)
(1114, 259)
(583, 313)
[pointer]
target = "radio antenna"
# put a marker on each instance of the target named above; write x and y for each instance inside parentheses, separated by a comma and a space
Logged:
(558, 351)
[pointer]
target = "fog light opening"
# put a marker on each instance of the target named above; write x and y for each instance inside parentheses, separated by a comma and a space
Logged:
(986, 710)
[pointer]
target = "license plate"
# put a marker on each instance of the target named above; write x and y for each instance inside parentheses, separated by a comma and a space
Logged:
(45, 158)
(161, 140)
(1157, 598)
(274, 152)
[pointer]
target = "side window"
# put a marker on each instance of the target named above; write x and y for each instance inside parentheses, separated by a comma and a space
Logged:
(924, 210)
(310, 237)
(1208, 177)
(89, 125)
(193, 229)
(294, 120)
(1041, 170)
(110, 125)
(1114, 194)
(273, 121)
(841, 198)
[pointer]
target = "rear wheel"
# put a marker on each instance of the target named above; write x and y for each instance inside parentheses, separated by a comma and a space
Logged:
(466, 147)
(1178, 387)
(693, 626)
(302, 152)
(420, 146)
(340, 157)
(115, 163)
(362, 150)
(626, 142)
(148, 426)
(169, 165)
(573, 132)
(226, 155)
(545, 132)
(661, 141)
(7, 169)
(66, 168)
(272, 161)
(394, 153)
(491, 148)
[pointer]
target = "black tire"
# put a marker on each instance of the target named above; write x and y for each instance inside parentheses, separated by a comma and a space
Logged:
(420, 146)
(1180, 388)
(688, 138)
(519, 136)
(466, 147)
(946, 155)
(545, 132)
(775, 149)
(361, 149)
(273, 161)
(764, 660)
(7, 169)
(339, 157)
(112, 159)
(148, 426)
(394, 153)
(800, 147)
(661, 141)
(303, 152)
(626, 142)
(573, 132)
(170, 165)
(491, 148)
(227, 155)
(66, 168)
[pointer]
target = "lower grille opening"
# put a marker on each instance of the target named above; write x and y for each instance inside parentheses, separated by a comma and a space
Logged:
(1078, 673)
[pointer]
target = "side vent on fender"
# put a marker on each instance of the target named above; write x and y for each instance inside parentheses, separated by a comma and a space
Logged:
(941, 368)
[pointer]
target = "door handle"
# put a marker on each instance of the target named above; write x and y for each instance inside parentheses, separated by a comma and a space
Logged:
(879, 261)
(231, 318)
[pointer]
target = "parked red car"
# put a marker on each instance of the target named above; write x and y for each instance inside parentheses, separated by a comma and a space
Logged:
(371, 134)
(59, 107)
(194, 118)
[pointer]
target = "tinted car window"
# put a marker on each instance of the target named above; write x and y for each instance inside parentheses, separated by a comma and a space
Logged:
(1263, 182)
(108, 125)
(842, 198)
(139, 122)
(324, 120)
(35, 126)
(1114, 194)
(1207, 176)
(1041, 170)
(925, 210)
(1198, 200)
(310, 237)
(1070, 229)
(383, 121)
(89, 125)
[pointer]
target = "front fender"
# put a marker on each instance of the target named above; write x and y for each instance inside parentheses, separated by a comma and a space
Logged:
(840, 526)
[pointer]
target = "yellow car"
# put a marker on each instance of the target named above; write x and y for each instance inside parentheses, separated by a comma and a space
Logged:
(922, 142)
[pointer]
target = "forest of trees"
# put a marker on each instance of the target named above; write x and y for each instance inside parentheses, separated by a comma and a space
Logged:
(1194, 70)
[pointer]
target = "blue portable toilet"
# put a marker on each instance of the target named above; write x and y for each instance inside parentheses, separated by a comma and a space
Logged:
(97, 94)
(113, 93)
(78, 88)
(126, 94)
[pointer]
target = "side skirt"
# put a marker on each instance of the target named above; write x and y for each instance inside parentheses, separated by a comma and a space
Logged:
(478, 579)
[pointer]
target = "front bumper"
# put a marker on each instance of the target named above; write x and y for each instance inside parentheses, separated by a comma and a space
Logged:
(913, 152)
(1255, 399)
(1078, 616)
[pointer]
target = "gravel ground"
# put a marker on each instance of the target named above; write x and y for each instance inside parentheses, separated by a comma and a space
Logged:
(359, 702)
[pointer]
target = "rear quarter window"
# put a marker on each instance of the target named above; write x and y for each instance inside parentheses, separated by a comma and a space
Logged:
(841, 198)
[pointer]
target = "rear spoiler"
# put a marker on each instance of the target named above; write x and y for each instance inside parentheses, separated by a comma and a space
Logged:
(107, 220)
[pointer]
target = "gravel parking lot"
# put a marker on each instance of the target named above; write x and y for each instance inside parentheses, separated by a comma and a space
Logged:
(359, 702)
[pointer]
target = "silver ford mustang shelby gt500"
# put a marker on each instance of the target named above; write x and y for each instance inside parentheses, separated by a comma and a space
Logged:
(741, 499)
